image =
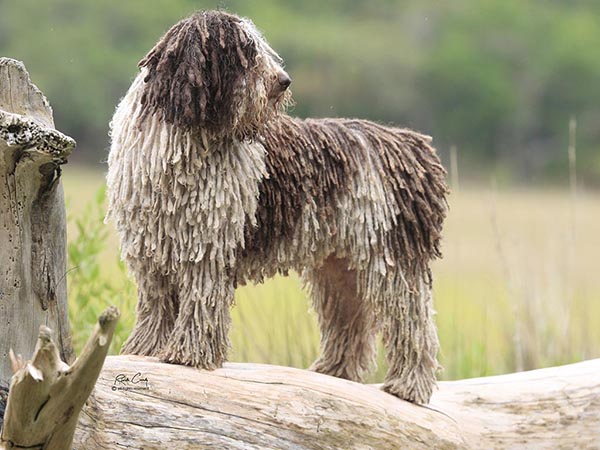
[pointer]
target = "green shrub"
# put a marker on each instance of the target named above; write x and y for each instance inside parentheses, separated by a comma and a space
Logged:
(91, 289)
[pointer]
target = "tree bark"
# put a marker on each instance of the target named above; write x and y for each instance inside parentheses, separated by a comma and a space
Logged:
(32, 219)
(143, 404)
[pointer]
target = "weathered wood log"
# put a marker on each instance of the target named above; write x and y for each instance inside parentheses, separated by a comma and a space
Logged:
(553, 408)
(46, 394)
(32, 218)
(143, 404)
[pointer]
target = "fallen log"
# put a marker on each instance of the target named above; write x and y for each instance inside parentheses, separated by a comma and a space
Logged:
(553, 408)
(143, 404)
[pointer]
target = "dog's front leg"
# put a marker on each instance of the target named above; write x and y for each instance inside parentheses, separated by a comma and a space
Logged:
(156, 310)
(200, 336)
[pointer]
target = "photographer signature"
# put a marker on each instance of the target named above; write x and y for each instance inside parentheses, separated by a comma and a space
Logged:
(130, 383)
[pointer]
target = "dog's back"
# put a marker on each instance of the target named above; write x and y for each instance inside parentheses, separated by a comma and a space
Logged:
(345, 187)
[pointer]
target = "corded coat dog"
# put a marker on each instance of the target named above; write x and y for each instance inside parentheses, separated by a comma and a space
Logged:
(212, 185)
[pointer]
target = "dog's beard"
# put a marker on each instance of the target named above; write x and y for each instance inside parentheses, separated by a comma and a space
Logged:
(283, 101)
(257, 110)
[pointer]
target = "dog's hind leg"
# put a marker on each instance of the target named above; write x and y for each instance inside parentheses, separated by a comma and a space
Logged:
(156, 312)
(347, 323)
(410, 337)
(200, 336)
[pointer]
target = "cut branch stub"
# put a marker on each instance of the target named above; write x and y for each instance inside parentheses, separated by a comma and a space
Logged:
(46, 394)
(32, 218)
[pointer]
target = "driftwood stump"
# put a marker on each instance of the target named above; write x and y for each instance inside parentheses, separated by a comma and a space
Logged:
(46, 394)
(32, 219)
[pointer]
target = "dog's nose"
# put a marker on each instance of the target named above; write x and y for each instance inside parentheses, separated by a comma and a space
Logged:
(284, 80)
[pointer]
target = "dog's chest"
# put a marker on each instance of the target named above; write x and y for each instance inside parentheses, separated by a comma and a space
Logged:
(219, 198)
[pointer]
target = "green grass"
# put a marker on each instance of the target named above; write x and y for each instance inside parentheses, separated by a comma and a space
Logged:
(517, 289)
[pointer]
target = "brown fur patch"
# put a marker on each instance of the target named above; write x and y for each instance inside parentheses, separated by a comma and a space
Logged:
(313, 160)
(416, 178)
(195, 69)
(306, 160)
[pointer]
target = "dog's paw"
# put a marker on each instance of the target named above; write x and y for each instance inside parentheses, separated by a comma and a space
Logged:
(196, 356)
(414, 391)
(142, 343)
(347, 371)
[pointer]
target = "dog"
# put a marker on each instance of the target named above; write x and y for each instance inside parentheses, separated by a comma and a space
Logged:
(211, 184)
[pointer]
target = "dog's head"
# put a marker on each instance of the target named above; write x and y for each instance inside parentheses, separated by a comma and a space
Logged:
(214, 71)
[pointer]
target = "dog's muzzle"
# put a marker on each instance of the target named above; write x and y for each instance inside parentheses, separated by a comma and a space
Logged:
(280, 86)
(284, 80)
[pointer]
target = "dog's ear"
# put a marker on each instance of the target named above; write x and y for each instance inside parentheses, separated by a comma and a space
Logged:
(194, 70)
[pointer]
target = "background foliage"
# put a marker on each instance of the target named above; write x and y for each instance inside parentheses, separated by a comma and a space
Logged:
(499, 79)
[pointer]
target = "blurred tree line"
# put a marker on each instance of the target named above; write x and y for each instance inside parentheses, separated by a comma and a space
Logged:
(499, 79)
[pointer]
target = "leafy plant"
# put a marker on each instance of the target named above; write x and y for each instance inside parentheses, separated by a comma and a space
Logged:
(91, 287)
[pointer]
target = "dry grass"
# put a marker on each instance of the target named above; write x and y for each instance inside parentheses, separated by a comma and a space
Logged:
(518, 287)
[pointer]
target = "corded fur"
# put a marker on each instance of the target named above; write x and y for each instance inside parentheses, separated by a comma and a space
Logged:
(210, 185)
(3, 400)
(200, 71)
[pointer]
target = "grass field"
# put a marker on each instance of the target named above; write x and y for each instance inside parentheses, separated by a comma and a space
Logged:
(518, 287)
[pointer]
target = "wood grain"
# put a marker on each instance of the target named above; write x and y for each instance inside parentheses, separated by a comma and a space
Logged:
(253, 406)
